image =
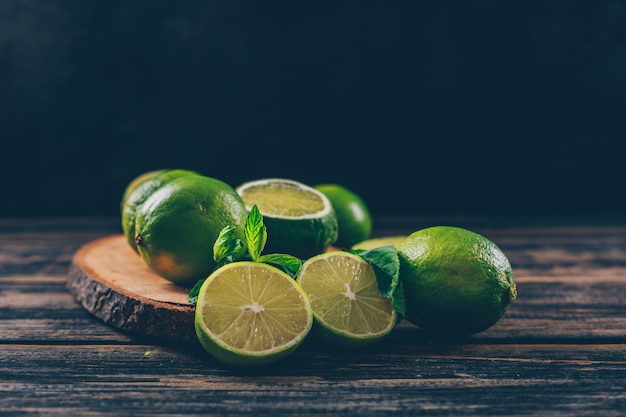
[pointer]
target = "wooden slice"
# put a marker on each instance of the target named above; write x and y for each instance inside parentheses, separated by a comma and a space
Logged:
(113, 283)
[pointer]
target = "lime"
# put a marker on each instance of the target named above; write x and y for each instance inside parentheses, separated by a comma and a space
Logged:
(348, 307)
(136, 182)
(251, 314)
(456, 282)
(138, 190)
(379, 241)
(300, 220)
(177, 225)
(353, 216)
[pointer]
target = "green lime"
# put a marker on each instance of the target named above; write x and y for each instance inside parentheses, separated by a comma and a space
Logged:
(251, 314)
(379, 241)
(300, 220)
(353, 216)
(456, 282)
(348, 307)
(178, 224)
(138, 190)
(136, 182)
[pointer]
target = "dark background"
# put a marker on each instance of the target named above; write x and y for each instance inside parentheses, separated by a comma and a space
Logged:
(440, 107)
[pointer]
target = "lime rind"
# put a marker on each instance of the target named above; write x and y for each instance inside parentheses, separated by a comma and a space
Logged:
(236, 356)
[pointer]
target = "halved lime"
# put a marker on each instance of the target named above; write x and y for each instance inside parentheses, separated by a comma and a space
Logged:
(251, 314)
(348, 307)
(300, 220)
(379, 241)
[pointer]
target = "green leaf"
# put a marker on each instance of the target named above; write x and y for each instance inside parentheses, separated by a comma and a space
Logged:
(397, 300)
(255, 233)
(386, 264)
(226, 247)
(192, 297)
(287, 263)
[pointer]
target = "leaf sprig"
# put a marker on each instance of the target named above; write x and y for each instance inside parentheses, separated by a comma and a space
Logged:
(228, 248)
(386, 264)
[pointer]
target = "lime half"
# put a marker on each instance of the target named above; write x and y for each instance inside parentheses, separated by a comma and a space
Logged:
(300, 220)
(251, 314)
(348, 307)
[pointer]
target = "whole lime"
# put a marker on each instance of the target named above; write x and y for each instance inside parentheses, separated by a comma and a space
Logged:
(138, 190)
(353, 215)
(456, 282)
(178, 224)
(136, 182)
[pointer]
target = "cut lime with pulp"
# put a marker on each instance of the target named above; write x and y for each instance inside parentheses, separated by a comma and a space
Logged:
(347, 305)
(300, 220)
(251, 314)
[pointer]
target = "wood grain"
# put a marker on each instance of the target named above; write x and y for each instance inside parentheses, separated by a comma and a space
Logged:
(560, 350)
(112, 282)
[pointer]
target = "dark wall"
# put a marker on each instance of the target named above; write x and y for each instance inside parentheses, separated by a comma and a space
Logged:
(488, 107)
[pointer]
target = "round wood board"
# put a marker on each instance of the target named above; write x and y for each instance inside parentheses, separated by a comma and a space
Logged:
(113, 283)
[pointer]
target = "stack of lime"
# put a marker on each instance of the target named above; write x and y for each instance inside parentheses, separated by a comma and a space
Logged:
(452, 282)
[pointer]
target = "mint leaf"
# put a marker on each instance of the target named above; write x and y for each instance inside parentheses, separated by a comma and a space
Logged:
(397, 301)
(192, 297)
(287, 263)
(226, 248)
(255, 233)
(386, 264)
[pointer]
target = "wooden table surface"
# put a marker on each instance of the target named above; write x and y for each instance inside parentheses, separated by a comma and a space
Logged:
(560, 349)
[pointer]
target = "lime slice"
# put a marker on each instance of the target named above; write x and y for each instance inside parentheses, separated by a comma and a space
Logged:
(300, 220)
(347, 305)
(378, 242)
(251, 314)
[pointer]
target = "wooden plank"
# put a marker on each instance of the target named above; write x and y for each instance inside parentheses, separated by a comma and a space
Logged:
(114, 284)
(430, 380)
(560, 350)
(555, 302)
